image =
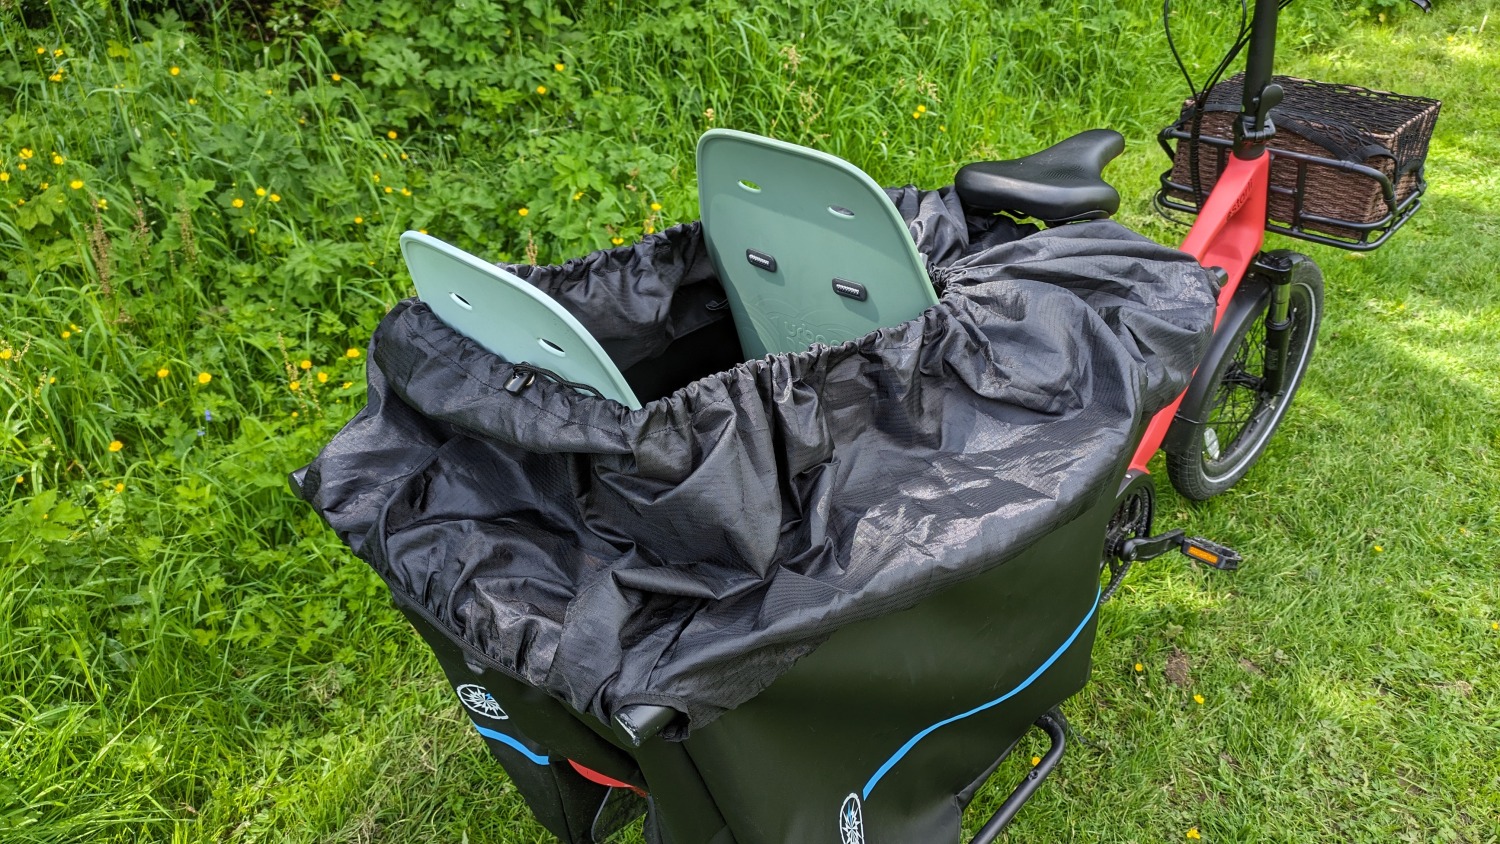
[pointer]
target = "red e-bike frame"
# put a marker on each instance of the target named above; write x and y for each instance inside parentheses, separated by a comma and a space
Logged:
(1231, 225)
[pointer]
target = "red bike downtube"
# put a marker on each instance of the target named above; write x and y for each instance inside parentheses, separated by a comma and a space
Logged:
(1229, 233)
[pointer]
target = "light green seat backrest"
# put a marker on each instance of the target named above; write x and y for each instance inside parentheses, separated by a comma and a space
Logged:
(808, 247)
(509, 317)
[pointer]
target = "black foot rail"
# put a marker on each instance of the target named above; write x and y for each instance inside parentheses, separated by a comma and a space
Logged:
(1053, 724)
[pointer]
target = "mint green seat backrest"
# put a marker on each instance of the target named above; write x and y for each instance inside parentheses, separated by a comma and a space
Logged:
(509, 317)
(808, 247)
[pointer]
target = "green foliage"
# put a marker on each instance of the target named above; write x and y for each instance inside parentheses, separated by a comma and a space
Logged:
(191, 656)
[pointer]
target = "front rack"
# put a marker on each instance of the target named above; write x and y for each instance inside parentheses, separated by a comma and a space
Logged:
(1298, 222)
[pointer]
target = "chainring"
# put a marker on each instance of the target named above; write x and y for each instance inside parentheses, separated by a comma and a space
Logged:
(1135, 507)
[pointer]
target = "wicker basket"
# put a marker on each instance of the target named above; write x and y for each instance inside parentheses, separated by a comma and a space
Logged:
(1342, 155)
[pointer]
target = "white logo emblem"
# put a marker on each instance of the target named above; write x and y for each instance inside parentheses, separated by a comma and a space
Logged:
(478, 699)
(851, 821)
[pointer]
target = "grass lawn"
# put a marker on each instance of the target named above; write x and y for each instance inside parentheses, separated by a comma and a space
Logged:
(198, 228)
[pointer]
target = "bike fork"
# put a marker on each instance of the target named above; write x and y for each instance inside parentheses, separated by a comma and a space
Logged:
(1276, 269)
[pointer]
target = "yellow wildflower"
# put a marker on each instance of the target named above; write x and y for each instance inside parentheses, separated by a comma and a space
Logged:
(260, 191)
(406, 191)
(391, 134)
(389, 189)
(1198, 699)
(4, 176)
(322, 378)
(916, 114)
(41, 51)
(1379, 549)
(251, 230)
(56, 77)
(617, 240)
(352, 353)
(656, 206)
(6, 354)
(348, 384)
(524, 211)
(119, 487)
(336, 78)
(1035, 761)
(403, 156)
(422, 231)
(192, 100)
(174, 70)
(204, 378)
(1193, 834)
(358, 220)
(52, 379)
(541, 89)
(57, 159)
(66, 334)
(921, 109)
(20, 479)
(26, 152)
(58, 52)
(942, 128)
(163, 372)
(578, 196)
(1139, 668)
(374, 177)
(275, 197)
(294, 414)
(559, 67)
(237, 202)
(115, 445)
(21, 166)
(102, 203)
(305, 364)
(295, 385)
(75, 184)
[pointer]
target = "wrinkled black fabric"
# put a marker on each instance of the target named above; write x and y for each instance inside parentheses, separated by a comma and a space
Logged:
(689, 552)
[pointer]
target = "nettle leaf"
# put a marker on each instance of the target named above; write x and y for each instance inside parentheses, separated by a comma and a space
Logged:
(191, 192)
(34, 214)
(144, 168)
(396, 63)
(55, 255)
(313, 262)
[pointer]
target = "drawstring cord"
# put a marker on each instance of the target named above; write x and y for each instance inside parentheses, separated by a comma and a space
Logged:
(525, 375)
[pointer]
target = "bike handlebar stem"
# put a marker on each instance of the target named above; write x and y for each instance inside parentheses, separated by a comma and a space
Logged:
(1254, 127)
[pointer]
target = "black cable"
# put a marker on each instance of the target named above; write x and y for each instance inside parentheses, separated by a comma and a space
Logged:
(1166, 23)
(1200, 96)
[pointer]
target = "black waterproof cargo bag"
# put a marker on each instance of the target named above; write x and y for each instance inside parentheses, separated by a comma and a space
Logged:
(854, 575)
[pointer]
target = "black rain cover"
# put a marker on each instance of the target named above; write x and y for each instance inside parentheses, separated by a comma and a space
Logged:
(687, 553)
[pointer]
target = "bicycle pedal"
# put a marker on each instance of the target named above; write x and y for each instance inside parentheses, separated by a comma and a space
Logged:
(1219, 556)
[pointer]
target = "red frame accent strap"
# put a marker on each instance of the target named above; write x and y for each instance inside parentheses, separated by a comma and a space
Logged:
(594, 776)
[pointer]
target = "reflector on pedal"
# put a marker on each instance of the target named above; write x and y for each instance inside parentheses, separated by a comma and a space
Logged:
(1202, 554)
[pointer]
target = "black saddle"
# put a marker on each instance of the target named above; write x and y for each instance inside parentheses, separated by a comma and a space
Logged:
(1063, 183)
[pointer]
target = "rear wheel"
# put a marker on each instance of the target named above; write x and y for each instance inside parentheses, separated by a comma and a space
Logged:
(1228, 419)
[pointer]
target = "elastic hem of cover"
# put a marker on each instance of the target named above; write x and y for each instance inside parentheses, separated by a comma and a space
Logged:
(912, 742)
(513, 744)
